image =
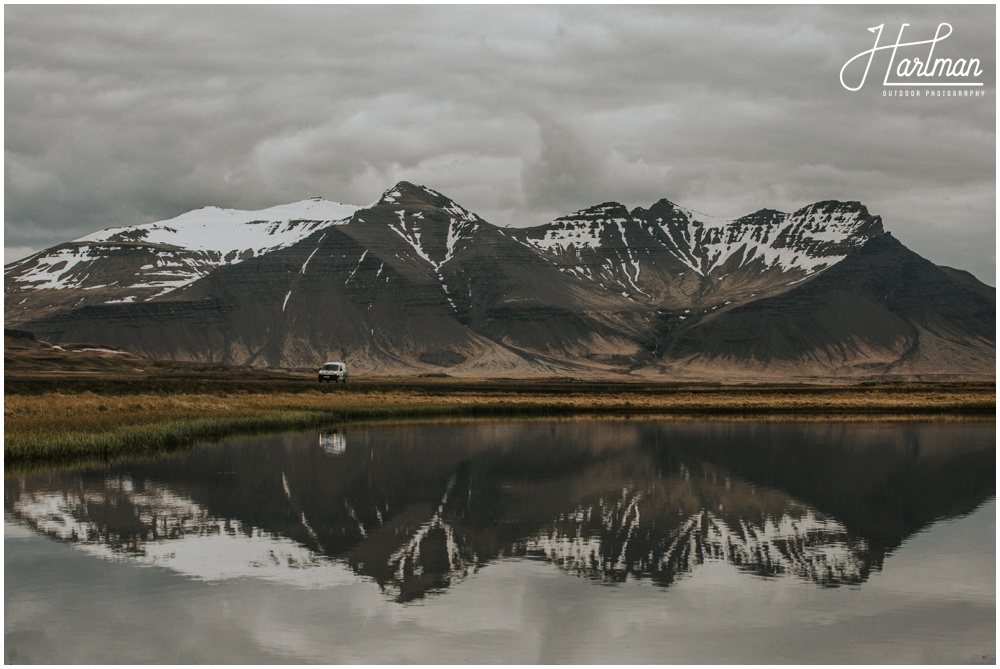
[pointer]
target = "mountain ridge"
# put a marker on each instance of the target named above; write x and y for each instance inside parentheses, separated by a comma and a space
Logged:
(415, 283)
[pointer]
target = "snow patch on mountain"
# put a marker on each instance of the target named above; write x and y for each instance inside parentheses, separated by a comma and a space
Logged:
(808, 240)
(435, 238)
(233, 230)
(583, 229)
(183, 249)
(411, 236)
(53, 270)
(461, 228)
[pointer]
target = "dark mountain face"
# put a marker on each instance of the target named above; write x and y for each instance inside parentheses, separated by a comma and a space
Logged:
(417, 283)
(881, 307)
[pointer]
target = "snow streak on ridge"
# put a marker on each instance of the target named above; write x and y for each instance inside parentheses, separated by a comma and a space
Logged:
(809, 240)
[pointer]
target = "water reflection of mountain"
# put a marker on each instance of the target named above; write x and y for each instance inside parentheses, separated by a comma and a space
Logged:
(418, 508)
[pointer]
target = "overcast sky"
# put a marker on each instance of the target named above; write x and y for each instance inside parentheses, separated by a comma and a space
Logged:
(123, 115)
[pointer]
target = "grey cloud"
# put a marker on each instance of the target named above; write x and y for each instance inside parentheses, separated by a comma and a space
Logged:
(565, 170)
(118, 115)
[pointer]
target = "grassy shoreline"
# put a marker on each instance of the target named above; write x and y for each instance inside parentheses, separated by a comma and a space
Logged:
(50, 421)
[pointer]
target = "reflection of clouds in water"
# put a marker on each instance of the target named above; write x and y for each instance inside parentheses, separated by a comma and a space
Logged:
(495, 613)
(174, 532)
(526, 612)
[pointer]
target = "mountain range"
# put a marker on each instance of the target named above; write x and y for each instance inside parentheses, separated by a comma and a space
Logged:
(415, 284)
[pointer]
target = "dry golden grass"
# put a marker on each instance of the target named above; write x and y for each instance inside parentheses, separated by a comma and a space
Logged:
(94, 411)
(45, 425)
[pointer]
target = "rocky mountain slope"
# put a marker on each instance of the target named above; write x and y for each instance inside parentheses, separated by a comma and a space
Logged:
(415, 283)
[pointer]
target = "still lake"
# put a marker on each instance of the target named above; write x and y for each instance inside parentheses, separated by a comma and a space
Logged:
(562, 541)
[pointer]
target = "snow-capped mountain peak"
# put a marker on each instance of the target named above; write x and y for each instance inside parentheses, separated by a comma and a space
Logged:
(153, 259)
(405, 195)
(433, 225)
(228, 230)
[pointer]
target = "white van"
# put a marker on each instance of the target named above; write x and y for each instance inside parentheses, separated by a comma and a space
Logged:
(333, 371)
